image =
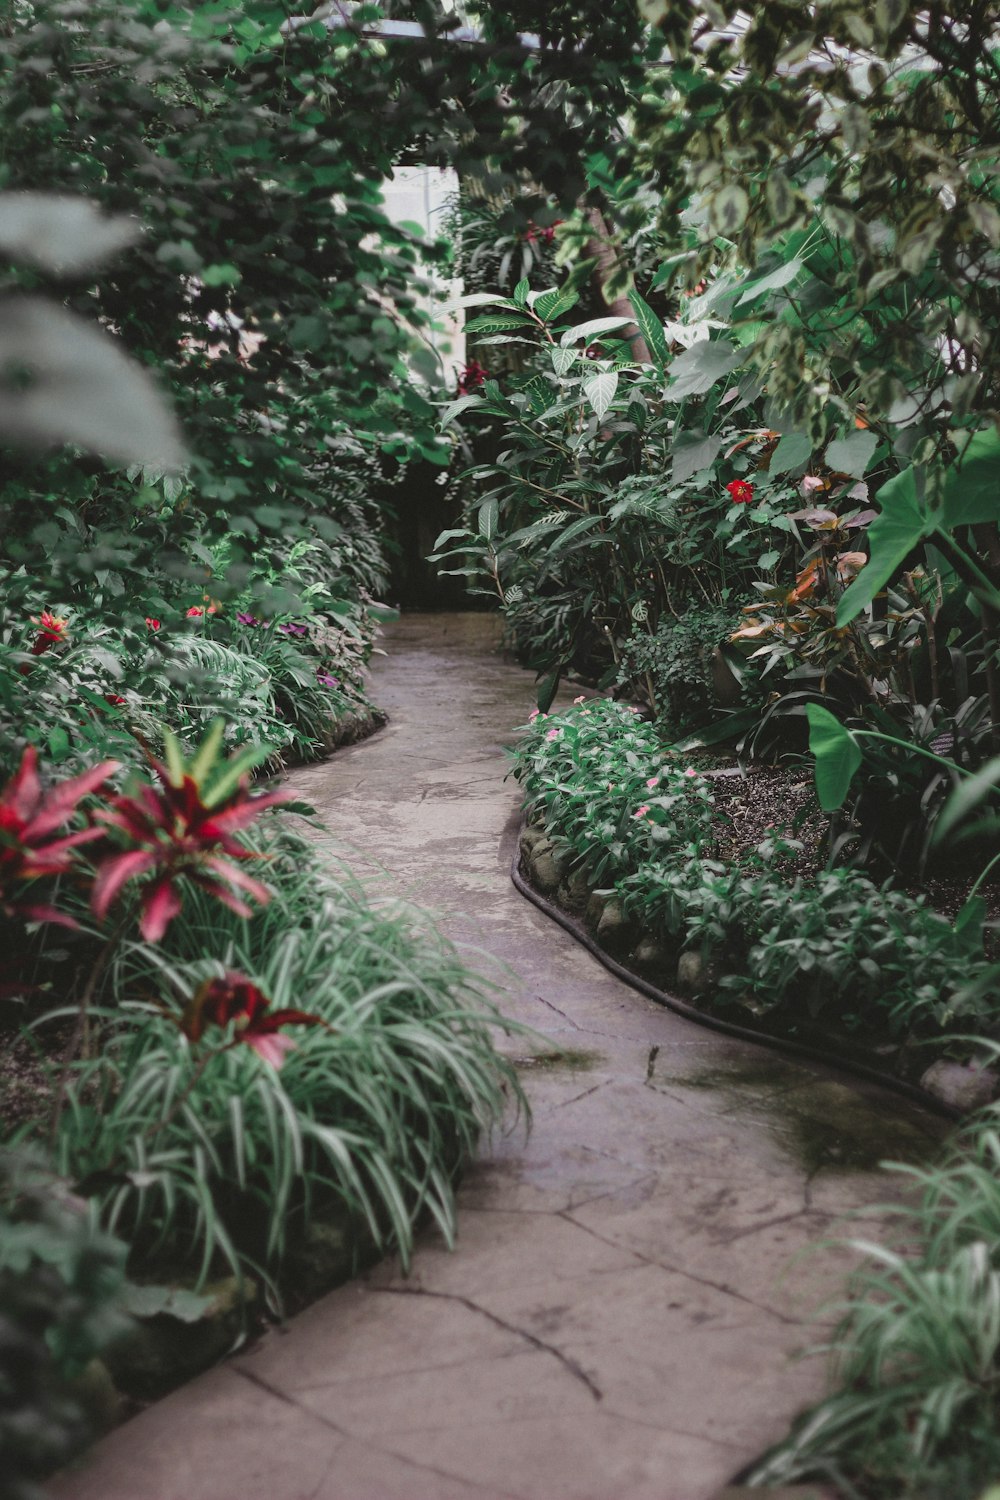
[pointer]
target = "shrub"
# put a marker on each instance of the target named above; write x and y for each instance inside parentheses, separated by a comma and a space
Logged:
(207, 1154)
(60, 1303)
(674, 665)
(916, 1357)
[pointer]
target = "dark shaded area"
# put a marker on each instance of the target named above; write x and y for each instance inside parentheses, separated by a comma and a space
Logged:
(416, 513)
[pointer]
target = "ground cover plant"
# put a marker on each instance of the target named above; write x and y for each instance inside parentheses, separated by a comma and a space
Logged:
(914, 1358)
(628, 816)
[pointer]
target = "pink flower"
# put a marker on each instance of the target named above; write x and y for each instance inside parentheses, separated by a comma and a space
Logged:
(581, 699)
(653, 781)
(641, 812)
(553, 734)
(690, 771)
(536, 714)
(271, 1048)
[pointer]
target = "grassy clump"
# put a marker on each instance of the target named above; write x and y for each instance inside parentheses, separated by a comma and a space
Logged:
(201, 1157)
(915, 1360)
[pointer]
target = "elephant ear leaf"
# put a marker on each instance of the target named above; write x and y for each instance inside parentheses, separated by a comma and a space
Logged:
(837, 756)
(903, 523)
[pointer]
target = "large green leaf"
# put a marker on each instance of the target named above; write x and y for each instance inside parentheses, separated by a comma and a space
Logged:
(693, 451)
(837, 754)
(972, 484)
(793, 452)
(551, 305)
(651, 329)
(773, 282)
(83, 388)
(903, 523)
(498, 323)
(61, 233)
(970, 794)
(696, 370)
(489, 518)
(851, 454)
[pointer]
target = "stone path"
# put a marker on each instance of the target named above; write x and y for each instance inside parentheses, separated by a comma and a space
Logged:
(630, 1282)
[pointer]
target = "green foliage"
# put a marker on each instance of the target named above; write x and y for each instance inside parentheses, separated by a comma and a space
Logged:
(61, 1284)
(915, 1359)
(202, 1160)
(608, 493)
(675, 665)
(838, 947)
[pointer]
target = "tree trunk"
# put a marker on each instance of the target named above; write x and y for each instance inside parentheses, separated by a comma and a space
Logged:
(600, 248)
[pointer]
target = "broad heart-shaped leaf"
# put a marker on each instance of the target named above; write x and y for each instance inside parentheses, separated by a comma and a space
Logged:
(80, 387)
(972, 483)
(903, 523)
(651, 329)
(793, 452)
(59, 233)
(851, 454)
(696, 370)
(770, 283)
(693, 451)
(592, 329)
(600, 390)
(837, 753)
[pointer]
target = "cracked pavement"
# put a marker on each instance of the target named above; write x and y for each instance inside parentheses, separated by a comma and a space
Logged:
(632, 1282)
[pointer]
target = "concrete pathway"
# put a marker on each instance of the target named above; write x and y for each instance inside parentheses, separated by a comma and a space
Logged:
(630, 1283)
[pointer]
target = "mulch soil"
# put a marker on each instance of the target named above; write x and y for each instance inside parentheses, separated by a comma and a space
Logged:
(771, 801)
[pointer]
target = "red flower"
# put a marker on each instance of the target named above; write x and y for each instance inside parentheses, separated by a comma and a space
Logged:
(28, 819)
(115, 699)
(235, 998)
(52, 632)
(152, 624)
(741, 491)
(472, 377)
(195, 609)
(178, 828)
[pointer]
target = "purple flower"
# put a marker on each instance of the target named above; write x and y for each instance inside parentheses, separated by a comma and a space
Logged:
(292, 629)
(326, 679)
(246, 619)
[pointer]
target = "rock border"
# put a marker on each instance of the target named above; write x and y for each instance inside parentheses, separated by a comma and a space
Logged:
(600, 926)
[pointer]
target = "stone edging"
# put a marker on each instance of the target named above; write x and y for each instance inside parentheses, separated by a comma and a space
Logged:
(583, 898)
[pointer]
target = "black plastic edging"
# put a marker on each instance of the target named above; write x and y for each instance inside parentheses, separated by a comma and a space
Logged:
(801, 1050)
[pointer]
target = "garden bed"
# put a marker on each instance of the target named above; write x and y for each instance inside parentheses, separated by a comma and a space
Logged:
(691, 881)
(250, 1090)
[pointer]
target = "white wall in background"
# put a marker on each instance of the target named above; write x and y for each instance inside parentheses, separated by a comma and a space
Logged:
(421, 195)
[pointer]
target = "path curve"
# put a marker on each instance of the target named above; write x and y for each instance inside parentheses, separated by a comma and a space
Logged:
(618, 1320)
